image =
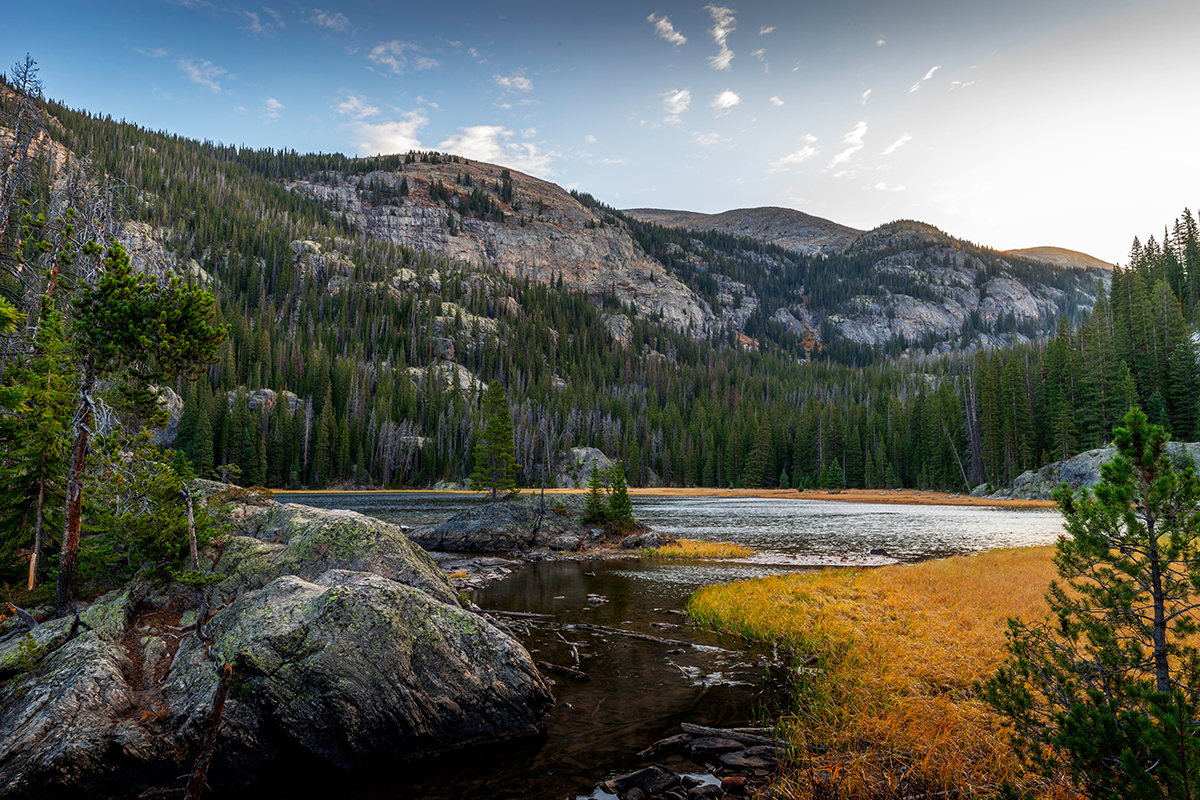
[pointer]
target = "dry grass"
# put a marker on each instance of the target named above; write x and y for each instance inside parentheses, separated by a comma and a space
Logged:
(690, 549)
(898, 651)
(458, 575)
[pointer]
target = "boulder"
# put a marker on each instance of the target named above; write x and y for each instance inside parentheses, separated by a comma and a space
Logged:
(1081, 472)
(499, 527)
(631, 542)
(348, 647)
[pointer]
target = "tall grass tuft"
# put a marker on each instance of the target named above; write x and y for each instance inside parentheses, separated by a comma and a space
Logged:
(887, 665)
(699, 550)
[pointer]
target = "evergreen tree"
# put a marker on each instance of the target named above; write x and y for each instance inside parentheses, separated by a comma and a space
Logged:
(495, 455)
(594, 511)
(1108, 690)
(620, 507)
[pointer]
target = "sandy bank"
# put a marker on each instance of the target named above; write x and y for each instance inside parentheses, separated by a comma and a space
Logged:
(912, 497)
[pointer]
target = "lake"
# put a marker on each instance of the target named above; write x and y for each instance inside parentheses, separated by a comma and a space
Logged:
(640, 690)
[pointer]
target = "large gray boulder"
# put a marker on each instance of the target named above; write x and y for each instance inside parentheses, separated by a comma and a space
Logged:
(499, 527)
(1081, 472)
(347, 646)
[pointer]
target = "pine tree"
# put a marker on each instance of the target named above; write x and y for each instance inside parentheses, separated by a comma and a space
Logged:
(620, 507)
(594, 511)
(1107, 690)
(495, 455)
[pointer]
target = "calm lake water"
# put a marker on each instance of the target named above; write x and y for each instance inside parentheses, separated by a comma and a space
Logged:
(640, 691)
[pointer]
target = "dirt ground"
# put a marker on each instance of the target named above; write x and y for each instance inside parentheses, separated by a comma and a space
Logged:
(912, 497)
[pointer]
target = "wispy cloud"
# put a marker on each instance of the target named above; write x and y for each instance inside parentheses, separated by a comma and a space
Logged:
(707, 139)
(725, 101)
(854, 142)
(335, 21)
(765, 30)
(916, 86)
(260, 24)
(356, 107)
(473, 53)
(883, 187)
(723, 25)
(517, 82)
(880, 42)
(960, 85)
(664, 28)
(394, 55)
(590, 139)
(394, 136)
(896, 145)
(805, 153)
(272, 108)
(761, 55)
(675, 102)
(157, 52)
(775, 101)
(490, 143)
(865, 96)
(203, 74)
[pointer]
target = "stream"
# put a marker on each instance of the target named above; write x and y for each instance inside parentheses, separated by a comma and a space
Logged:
(640, 690)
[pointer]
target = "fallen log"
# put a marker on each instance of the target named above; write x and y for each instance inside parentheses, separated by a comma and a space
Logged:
(518, 614)
(737, 734)
(561, 670)
(645, 637)
(662, 744)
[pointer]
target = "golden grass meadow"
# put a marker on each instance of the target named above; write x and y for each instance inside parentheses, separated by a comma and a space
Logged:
(886, 665)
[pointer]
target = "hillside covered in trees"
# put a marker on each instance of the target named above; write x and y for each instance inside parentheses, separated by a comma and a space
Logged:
(355, 358)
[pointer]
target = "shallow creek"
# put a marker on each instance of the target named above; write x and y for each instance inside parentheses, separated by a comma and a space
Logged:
(641, 690)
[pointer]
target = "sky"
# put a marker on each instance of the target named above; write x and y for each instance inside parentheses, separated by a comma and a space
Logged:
(1022, 123)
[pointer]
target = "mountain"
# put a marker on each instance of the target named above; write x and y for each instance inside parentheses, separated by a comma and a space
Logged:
(377, 296)
(1061, 257)
(786, 227)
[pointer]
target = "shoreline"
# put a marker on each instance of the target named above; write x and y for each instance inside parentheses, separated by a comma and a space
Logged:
(911, 497)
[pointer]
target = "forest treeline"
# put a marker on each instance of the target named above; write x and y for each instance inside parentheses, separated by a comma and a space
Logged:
(365, 394)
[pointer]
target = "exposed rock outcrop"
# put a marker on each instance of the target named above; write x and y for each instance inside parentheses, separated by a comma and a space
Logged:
(501, 527)
(347, 645)
(575, 470)
(545, 234)
(1080, 472)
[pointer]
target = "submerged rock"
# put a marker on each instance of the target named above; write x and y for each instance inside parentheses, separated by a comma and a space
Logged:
(347, 645)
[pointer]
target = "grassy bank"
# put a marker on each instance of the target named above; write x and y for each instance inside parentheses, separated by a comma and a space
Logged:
(893, 655)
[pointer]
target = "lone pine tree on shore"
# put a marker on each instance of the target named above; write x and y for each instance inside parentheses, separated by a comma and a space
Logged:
(495, 456)
(1104, 694)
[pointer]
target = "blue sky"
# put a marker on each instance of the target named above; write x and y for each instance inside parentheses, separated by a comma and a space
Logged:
(1013, 124)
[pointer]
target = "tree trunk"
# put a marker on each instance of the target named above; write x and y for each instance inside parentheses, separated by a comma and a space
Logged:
(187, 497)
(35, 556)
(68, 563)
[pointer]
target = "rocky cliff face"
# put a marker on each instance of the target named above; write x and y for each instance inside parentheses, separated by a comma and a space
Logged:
(347, 646)
(545, 233)
(786, 227)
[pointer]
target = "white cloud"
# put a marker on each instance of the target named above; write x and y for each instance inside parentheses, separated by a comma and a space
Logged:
(896, 145)
(916, 86)
(473, 53)
(865, 95)
(880, 42)
(664, 28)
(675, 102)
(158, 52)
(336, 21)
(203, 74)
(517, 82)
(393, 55)
(960, 85)
(883, 187)
(723, 25)
(256, 25)
(529, 133)
(797, 158)
(765, 30)
(707, 139)
(725, 101)
(397, 136)
(775, 101)
(272, 108)
(356, 107)
(489, 143)
(854, 142)
(590, 139)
